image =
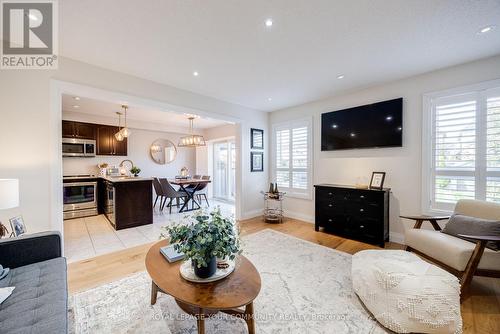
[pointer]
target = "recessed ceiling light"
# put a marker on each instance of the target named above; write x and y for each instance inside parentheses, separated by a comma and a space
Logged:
(486, 29)
(77, 98)
(196, 73)
(269, 23)
(340, 76)
(76, 106)
(334, 126)
(388, 118)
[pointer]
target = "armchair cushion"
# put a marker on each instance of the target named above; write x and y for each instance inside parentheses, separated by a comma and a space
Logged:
(460, 224)
(450, 250)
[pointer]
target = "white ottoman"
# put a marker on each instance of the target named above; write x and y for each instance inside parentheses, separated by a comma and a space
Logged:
(405, 293)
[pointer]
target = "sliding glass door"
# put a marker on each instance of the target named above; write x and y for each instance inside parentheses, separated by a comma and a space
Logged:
(224, 158)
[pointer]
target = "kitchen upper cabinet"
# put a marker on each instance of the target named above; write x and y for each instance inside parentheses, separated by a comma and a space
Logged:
(107, 143)
(78, 130)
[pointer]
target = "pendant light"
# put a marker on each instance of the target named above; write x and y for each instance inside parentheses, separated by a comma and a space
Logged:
(125, 131)
(192, 140)
(119, 135)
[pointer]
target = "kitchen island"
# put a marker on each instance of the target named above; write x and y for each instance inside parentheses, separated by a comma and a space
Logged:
(127, 201)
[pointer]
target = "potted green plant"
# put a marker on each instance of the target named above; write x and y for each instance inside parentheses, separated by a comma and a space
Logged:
(135, 171)
(204, 239)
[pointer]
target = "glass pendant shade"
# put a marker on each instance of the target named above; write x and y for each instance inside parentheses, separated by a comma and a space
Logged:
(125, 132)
(191, 140)
(119, 136)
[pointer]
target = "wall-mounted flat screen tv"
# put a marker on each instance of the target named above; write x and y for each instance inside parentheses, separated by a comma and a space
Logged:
(369, 126)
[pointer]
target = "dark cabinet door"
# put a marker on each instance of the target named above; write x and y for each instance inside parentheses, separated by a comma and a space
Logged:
(104, 141)
(68, 129)
(107, 143)
(85, 131)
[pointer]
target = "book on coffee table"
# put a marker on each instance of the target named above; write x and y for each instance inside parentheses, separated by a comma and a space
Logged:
(171, 254)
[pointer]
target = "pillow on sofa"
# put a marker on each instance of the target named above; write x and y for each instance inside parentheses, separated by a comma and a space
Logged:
(5, 293)
(460, 224)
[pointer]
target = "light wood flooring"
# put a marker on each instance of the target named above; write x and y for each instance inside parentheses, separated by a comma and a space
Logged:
(480, 311)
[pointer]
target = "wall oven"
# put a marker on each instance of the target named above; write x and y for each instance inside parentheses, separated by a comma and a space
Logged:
(80, 199)
(72, 147)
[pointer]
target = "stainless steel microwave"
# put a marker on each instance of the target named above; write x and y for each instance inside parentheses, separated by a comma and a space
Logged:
(72, 147)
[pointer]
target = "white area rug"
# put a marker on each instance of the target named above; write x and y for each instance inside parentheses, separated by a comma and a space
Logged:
(306, 288)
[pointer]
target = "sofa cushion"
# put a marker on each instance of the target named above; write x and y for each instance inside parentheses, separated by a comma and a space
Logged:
(449, 250)
(39, 301)
(460, 224)
(405, 293)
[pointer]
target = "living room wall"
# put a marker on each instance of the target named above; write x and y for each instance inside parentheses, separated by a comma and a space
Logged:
(30, 133)
(402, 165)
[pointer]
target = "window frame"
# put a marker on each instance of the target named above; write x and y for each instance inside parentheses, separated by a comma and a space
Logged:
(428, 128)
(302, 122)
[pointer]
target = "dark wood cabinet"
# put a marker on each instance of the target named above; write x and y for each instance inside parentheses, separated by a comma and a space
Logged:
(107, 143)
(359, 214)
(79, 130)
(128, 204)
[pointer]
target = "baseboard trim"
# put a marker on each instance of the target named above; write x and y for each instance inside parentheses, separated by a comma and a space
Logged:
(251, 214)
(397, 237)
(299, 216)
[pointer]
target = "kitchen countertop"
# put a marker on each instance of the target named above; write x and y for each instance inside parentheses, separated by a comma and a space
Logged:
(112, 179)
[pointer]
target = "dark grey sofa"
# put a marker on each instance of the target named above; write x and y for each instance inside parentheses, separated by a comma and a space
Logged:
(39, 303)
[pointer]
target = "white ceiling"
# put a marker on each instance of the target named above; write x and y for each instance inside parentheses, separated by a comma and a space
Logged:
(137, 113)
(295, 61)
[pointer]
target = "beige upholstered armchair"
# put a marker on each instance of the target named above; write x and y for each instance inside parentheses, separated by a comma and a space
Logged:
(462, 258)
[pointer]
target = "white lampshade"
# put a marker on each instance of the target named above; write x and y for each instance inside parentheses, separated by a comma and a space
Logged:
(9, 193)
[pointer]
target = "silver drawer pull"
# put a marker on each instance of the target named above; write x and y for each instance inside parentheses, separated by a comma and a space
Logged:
(361, 196)
(330, 194)
(362, 226)
(330, 220)
(330, 205)
(361, 210)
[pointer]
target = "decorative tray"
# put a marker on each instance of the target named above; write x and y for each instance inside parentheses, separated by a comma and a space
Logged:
(187, 272)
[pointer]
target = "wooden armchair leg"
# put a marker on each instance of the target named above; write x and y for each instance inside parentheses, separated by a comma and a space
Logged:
(471, 267)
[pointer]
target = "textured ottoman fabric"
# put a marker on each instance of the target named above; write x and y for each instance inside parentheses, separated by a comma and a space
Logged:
(39, 302)
(405, 293)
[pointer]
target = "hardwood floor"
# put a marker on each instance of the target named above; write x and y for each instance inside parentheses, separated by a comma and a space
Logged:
(480, 311)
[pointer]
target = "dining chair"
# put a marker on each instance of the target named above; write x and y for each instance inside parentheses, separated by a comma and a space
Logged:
(171, 194)
(158, 190)
(202, 190)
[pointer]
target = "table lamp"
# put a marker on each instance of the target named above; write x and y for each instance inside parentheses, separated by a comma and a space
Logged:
(9, 197)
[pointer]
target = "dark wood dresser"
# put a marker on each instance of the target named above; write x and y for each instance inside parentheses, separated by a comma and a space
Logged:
(359, 214)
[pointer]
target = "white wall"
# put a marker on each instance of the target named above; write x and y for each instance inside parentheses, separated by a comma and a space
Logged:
(30, 132)
(403, 165)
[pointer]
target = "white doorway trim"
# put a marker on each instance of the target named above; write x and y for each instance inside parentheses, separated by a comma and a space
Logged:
(58, 88)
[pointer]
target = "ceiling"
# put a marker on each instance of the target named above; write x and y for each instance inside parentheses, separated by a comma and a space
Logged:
(296, 60)
(137, 113)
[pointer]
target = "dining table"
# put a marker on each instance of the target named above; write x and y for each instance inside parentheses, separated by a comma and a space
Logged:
(194, 185)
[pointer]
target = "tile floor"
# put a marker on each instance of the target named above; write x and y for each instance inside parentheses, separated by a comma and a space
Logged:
(87, 237)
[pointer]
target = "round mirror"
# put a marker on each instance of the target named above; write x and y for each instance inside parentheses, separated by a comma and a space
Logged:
(163, 151)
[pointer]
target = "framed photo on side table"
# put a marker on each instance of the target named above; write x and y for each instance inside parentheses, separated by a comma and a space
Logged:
(17, 225)
(377, 181)
(256, 161)
(257, 139)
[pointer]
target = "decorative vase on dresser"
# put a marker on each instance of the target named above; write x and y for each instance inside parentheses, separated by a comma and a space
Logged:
(359, 214)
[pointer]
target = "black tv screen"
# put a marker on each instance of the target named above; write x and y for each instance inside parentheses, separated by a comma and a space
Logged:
(372, 125)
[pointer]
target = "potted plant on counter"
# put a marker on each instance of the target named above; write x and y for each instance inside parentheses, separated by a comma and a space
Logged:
(204, 239)
(135, 171)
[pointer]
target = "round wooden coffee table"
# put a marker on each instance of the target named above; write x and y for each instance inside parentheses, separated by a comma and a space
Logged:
(204, 299)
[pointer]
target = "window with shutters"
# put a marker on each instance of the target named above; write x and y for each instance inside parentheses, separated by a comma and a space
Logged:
(292, 157)
(463, 146)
